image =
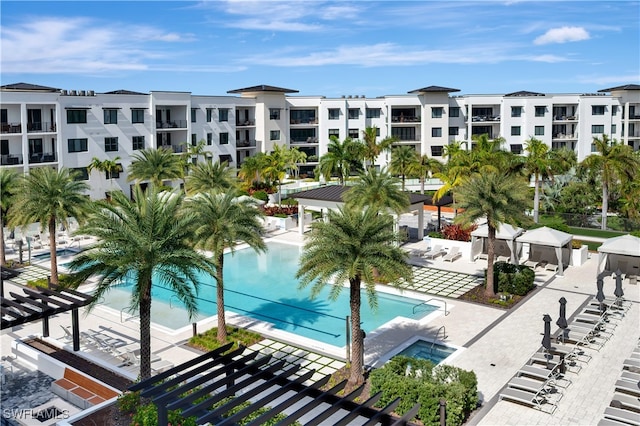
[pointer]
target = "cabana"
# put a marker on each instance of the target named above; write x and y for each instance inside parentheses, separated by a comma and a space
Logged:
(550, 246)
(505, 244)
(621, 253)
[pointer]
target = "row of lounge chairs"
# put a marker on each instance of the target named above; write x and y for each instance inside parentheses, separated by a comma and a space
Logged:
(437, 251)
(625, 404)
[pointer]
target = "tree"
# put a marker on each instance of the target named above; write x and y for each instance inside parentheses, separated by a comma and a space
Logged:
(222, 221)
(612, 162)
(155, 165)
(294, 157)
(355, 246)
(538, 163)
(451, 178)
(50, 196)
(208, 176)
(107, 166)
(403, 158)
(145, 241)
(340, 158)
(497, 197)
(373, 148)
(379, 191)
(252, 168)
(423, 168)
(9, 181)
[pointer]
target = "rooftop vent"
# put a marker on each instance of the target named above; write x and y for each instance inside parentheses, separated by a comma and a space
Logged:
(73, 93)
(64, 92)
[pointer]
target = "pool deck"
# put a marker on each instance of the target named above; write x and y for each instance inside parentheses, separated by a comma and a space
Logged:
(496, 343)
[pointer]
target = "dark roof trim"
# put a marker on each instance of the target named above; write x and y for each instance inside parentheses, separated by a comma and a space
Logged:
(28, 87)
(335, 193)
(618, 88)
(77, 107)
(263, 88)
(112, 107)
(123, 92)
(523, 93)
(434, 89)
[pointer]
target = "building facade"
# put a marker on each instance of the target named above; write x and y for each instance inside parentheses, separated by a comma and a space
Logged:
(44, 126)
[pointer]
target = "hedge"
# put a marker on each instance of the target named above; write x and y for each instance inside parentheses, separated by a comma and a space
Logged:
(512, 279)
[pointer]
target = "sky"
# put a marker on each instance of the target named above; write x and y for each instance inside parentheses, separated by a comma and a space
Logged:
(328, 48)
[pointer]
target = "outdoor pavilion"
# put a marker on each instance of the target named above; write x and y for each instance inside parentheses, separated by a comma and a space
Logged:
(505, 241)
(548, 245)
(619, 253)
(329, 197)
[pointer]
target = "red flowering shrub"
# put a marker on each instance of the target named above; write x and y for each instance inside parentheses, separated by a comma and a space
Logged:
(280, 210)
(457, 232)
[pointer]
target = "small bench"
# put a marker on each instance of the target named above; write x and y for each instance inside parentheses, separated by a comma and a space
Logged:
(81, 390)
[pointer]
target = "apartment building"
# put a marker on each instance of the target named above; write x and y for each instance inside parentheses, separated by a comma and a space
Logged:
(45, 126)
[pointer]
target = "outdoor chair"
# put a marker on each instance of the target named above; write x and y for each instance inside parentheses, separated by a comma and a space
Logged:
(625, 386)
(625, 401)
(529, 399)
(551, 267)
(453, 255)
(504, 259)
(625, 416)
(68, 335)
(630, 376)
(436, 251)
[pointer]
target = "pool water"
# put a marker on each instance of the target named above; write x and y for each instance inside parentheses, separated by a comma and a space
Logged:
(59, 252)
(424, 349)
(263, 287)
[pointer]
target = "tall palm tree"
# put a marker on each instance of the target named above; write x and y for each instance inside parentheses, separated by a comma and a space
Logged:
(275, 168)
(252, 169)
(612, 162)
(403, 159)
(155, 165)
(452, 150)
(147, 241)
(451, 177)
(372, 147)
(340, 158)
(222, 221)
(379, 191)
(50, 196)
(355, 246)
(208, 176)
(497, 197)
(9, 181)
(293, 157)
(425, 167)
(537, 163)
(108, 166)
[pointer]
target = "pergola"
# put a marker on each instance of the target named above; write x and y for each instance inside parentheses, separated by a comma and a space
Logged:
(505, 236)
(212, 385)
(548, 243)
(619, 253)
(330, 197)
(42, 303)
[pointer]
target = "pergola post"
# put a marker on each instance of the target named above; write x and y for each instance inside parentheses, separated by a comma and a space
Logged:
(300, 219)
(75, 329)
(421, 222)
(45, 326)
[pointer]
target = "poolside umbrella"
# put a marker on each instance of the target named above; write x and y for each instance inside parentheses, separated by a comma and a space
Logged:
(618, 291)
(562, 319)
(546, 338)
(600, 293)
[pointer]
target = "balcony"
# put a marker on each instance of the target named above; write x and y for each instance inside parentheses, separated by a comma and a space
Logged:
(304, 121)
(11, 128)
(41, 127)
(304, 140)
(565, 118)
(42, 157)
(246, 143)
(11, 159)
(485, 118)
(565, 136)
(405, 119)
(173, 124)
(245, 123)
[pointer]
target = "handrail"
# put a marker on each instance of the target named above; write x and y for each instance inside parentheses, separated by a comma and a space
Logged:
(446, 312)
(444, 336)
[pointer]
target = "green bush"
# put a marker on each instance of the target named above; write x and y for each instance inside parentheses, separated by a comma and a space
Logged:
(208, 340)
(513, 279)
(636, 233)
(417, 380)
(435, 234)
(63, 280)
(261, 195)
(555, 222)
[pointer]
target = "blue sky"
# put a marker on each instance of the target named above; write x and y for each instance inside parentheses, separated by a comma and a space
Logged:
(329, 48)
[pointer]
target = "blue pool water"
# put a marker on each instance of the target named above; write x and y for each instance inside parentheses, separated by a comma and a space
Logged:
(263, 287)
(424, 349)
(59, 252)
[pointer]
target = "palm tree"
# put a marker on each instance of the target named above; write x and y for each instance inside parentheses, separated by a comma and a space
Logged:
(339, 159)
(293, 157)
(403, 158)
(155, 165)
(537, 163)
(612, 162)
(50, 196)
(373, 148)
(452, 150)
(9, 181)
(275, 168)
(355, 246)
(147, 241)
(379, 191)
(497, 197)
(224, 221)
(252, 168)
(210, 177)
(451, 178)
(108, 166)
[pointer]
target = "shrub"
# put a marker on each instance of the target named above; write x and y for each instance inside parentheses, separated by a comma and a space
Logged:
(636, 233)
(63, 280)
(435, 234)
(457, 232)
(576, 244)
(208, 340)
(555, 222)
(513, 279)
(289, 202)
(261, 195)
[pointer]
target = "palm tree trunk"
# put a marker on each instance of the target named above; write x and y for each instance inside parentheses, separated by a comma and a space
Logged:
(422, 179)
(222, 322)
(536, 199)
(3, 256)
(490, 257)
(356, 376)
(403, 177)
(605, 203)
(145, 332)
(53, 250)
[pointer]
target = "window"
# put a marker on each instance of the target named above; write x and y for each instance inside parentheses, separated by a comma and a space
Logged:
(454, 111)
(274, 135)
(453, 131)
(115, 173)
(593, 148)
(614, 128)
(597, 128)
(516, 111)
(515, 130)
(334, 113)
(76, 116)
(226, 158)
(224, 138)
(378, 131)
(194, 139)
(194, 112)
(372, 112)
(540, 110)
(354, 133)
(4, 117)
(137, 142)
(209, 138)
(614, 111)
(436, 112)
(209, 115)
(4, 148)
(223, 114)
(539, 131)
(80, 173)
(516, 148)
(110, 144)
(274, 114)
(334, 132)
(354, 113)
(137, 116)
(110, 116)
(436, 151)
(436, 132)
(77, 145)
(597, 109)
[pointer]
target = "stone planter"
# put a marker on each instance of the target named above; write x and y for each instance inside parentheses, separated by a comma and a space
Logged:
(579, 256)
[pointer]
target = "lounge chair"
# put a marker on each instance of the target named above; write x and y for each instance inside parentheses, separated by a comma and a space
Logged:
(532, 385)
(631, 364)
(436, 251)
(625, 416)
(625, 401)
(610, 422)
(529, 399)
(551, 267)
(161, 365)
(626, 386)
(533, 264)
(68, 335)
(453, 255)
(630, 376)
(503, 259)
(482, 256)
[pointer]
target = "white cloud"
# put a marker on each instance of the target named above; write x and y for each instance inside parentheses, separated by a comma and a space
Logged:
(551, 59)
(610, 79)
(562, 35)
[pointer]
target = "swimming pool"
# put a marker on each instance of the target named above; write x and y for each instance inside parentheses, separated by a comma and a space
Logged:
(263, 287)
(59, 252)
(425, 349)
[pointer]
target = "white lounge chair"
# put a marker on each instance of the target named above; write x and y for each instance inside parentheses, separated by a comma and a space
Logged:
(503, 259)
(551, 267)
(628, 387)
(625, 401)
(453, 255)
(529, 399)
(625, 416)
(436, 251)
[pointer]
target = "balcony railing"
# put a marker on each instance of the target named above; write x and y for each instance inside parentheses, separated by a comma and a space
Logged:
(565, 136)
(11, 159)
(174, 124)
(304, 121)
(46, 157)
(416, 138)
(41, 127)
(11, 128)
(245, 143)
(304, 140)
(565, 117)
(484, 118)
(241, 123)
(404, 119)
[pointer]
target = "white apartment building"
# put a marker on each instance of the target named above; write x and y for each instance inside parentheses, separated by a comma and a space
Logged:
(44, 126)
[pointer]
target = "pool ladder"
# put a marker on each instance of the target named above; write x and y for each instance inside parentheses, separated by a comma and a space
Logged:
(446, 312)
(444, 336)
